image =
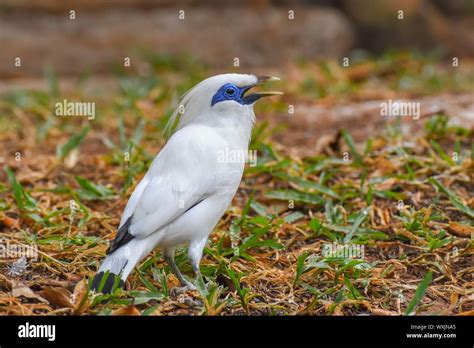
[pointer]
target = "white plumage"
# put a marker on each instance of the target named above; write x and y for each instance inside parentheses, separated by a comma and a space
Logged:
(187, 187)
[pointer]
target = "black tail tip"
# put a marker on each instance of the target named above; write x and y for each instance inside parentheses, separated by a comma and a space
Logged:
(106, 286)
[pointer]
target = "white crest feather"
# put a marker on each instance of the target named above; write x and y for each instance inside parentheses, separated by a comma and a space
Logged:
(202, 93)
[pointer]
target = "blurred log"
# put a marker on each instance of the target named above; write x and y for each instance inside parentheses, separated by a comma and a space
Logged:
(85, 5)
(424, 25)
(96, 41)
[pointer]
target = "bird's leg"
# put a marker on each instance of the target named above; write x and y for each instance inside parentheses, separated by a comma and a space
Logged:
(197, 272)
(195, 255)
(186, 285)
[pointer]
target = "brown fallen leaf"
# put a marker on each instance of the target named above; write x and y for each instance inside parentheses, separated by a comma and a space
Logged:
(73, 277)
(130, 310)
(383, 214)
(409, 235)
(382, 312)
(460, 230)
(53, 283)
(454, 298)
(9, 222)
(383, 167)
(21, 290)
(79, 289)
(386, 184)
(328, 143)
(5, 283)
(59, 297)
(80, 298)
(361, 71)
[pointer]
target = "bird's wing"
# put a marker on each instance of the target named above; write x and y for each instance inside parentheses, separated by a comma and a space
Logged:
(165, 198)
(178, 179)
(133, 200)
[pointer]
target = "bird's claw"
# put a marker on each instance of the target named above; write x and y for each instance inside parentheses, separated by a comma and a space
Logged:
(192, 303)
(178, 290)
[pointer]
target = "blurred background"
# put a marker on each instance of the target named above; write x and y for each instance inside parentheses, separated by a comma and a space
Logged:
(335, 56)
(260, 33)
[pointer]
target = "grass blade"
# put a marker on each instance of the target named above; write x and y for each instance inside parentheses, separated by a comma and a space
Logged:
(72, 143)
(420, 291)
(350, 142)
(22, 198)
(439, 150)
(309, 185)
(358, 221)
(293, 195)
(457, 202)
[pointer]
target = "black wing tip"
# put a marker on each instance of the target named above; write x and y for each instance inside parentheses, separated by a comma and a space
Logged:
(119, 242)
(108, 284)
(122, 238)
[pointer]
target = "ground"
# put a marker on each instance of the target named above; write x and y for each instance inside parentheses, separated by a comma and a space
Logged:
(398, 192)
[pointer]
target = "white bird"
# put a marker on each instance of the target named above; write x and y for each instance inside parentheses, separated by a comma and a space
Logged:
(189, 184)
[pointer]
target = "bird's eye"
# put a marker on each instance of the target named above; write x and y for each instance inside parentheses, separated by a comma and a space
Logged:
(229, 91)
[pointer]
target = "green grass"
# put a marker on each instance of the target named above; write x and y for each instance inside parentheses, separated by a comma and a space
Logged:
(266, 256)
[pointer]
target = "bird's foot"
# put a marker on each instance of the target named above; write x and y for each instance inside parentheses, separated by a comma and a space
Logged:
(192, 303)
(178, 290)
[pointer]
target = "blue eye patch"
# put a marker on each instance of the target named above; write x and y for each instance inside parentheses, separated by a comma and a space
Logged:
(229, 91)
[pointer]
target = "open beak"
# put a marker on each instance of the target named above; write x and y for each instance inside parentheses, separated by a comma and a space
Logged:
(253, 97)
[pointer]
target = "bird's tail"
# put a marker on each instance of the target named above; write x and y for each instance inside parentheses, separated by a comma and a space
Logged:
(115, 269)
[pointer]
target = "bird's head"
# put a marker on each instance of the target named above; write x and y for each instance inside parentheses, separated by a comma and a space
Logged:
(220, 99)
(232, 90)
